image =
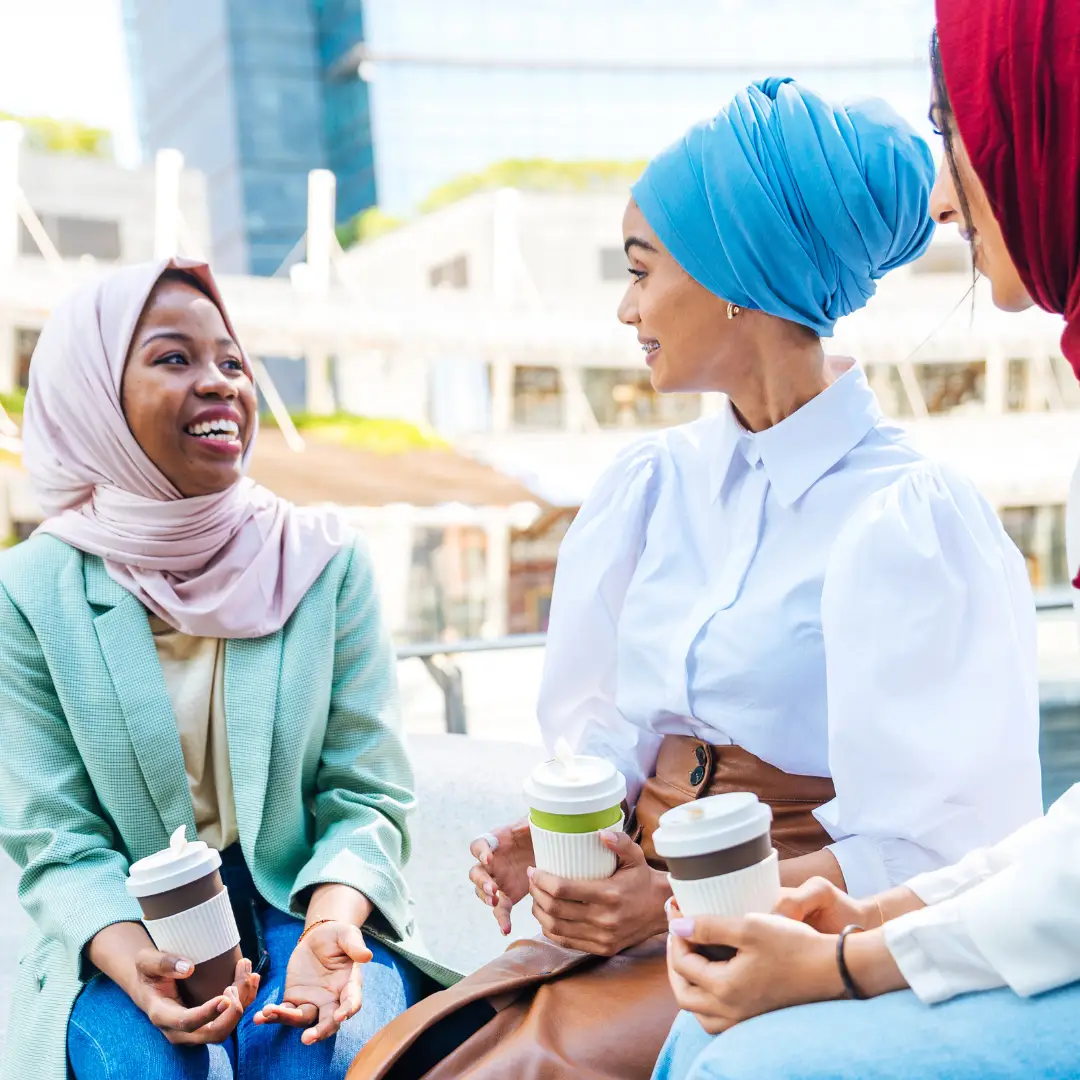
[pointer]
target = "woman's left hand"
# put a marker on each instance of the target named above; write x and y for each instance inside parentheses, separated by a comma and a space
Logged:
(779, 963)
(603, 917)
(322, 982)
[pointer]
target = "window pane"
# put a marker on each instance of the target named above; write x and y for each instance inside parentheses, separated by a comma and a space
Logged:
(538, 397)
(450, 275)
(25, 343)
(76, 236)
(612, 264)
(626, 399)
(1039, 533)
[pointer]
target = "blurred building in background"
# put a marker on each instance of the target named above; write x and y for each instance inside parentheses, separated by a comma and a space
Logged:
(490, 325)
(82, 211)
(398, 99)
(248, 90)
(458, 85)
(479, 329)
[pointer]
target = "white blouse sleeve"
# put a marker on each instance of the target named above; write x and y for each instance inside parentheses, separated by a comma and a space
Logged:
(929, 629)
(1018, 927)
(596, 562)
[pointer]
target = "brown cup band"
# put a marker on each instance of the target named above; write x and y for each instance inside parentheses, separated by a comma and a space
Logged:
(187, 896)
(716, 863)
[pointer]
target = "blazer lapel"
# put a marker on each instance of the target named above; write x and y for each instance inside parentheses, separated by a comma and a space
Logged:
(252, 675)
(127, 645)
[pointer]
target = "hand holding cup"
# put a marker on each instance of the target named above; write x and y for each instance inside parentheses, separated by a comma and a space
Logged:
(187, 913)
(720, 859)
(159, 977)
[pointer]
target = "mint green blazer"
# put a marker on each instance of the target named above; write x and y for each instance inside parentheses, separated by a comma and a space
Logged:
(92, 776)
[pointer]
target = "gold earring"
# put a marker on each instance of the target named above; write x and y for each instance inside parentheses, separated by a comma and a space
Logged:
(733, 310)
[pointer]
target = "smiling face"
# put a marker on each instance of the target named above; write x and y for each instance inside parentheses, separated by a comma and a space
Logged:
(684, 329)
(960, 199)
(187, 393)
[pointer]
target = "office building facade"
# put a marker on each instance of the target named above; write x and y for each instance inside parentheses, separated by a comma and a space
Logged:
(250, 93)
(399, 98)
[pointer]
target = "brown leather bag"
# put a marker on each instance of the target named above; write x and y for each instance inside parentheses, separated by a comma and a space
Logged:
(541, 1012)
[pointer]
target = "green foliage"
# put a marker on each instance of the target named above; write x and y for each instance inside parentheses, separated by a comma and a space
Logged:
(50, 136)
(538, 174)
(367, 225)
(378, 435)
(14, 402)
(525, 174)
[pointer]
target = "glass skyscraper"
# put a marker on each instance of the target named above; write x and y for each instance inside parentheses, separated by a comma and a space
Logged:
(400, 96)
(252, 92)
(459, 84)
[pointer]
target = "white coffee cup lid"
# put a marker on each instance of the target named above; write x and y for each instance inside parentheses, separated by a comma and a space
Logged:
(181, 863)
(574, 784)
(715, 823)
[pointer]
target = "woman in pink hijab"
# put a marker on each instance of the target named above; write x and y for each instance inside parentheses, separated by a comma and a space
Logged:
(181, 650)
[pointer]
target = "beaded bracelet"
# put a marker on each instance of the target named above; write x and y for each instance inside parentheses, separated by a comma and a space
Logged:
(850, 988)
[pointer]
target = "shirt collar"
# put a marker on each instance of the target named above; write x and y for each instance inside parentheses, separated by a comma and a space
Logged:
(804, 446)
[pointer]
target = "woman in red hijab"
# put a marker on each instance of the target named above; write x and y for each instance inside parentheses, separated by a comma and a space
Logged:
(971, 972)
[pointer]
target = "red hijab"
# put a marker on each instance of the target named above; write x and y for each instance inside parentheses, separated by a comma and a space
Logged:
(1012, 70)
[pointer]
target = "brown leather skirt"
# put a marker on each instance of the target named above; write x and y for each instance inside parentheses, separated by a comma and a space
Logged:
(541, 1012)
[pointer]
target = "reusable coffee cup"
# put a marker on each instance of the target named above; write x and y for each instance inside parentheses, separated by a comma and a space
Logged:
(720, 858)
(572, 798)
(186, 912)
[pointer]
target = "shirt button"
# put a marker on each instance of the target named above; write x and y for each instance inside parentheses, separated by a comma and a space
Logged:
(697, 776)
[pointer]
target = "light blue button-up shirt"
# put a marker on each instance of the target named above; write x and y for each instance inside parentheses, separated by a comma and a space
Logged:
(821, 595)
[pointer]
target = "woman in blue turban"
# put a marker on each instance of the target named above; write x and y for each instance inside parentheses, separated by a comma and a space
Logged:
(783, 598)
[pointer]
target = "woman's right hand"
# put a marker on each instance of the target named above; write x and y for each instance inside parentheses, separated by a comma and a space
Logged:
(500, 875)
(156, 991)
(820, 904)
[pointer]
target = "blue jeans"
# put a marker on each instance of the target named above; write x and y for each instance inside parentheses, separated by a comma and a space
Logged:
(989, 1036)
(110, 1038)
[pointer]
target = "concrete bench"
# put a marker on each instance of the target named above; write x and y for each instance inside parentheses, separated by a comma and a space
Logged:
(465, 786)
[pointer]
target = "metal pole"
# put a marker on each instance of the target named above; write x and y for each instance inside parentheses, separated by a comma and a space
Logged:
(168, 165)
(321, 241)
(447, 676)
(322, 207)
(11, 135)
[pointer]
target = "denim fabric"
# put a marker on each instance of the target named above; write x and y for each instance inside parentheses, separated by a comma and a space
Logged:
(109, 1038)
(990, 1036)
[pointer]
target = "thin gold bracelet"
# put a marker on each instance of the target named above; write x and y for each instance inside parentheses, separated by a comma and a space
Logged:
(880, 913)
(308, 929)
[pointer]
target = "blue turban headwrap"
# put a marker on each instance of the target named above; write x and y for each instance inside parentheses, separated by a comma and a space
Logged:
(791, 205)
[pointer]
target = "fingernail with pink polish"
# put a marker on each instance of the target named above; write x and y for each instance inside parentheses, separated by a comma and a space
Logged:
(609, 836)
(667, 906)
(185, 967)
(531, 872)
(683, 928)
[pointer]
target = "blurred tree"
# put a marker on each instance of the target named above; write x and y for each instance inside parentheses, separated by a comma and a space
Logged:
(381, 435)
(50, 136)
(525, 174)
(537, 174)
(367, 225)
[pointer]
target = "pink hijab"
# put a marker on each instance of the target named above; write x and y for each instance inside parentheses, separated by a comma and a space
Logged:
(231, 565)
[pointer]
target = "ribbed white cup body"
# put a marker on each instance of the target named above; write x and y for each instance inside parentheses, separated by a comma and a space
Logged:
(578, 856)
(742, 892)
(198, 934)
